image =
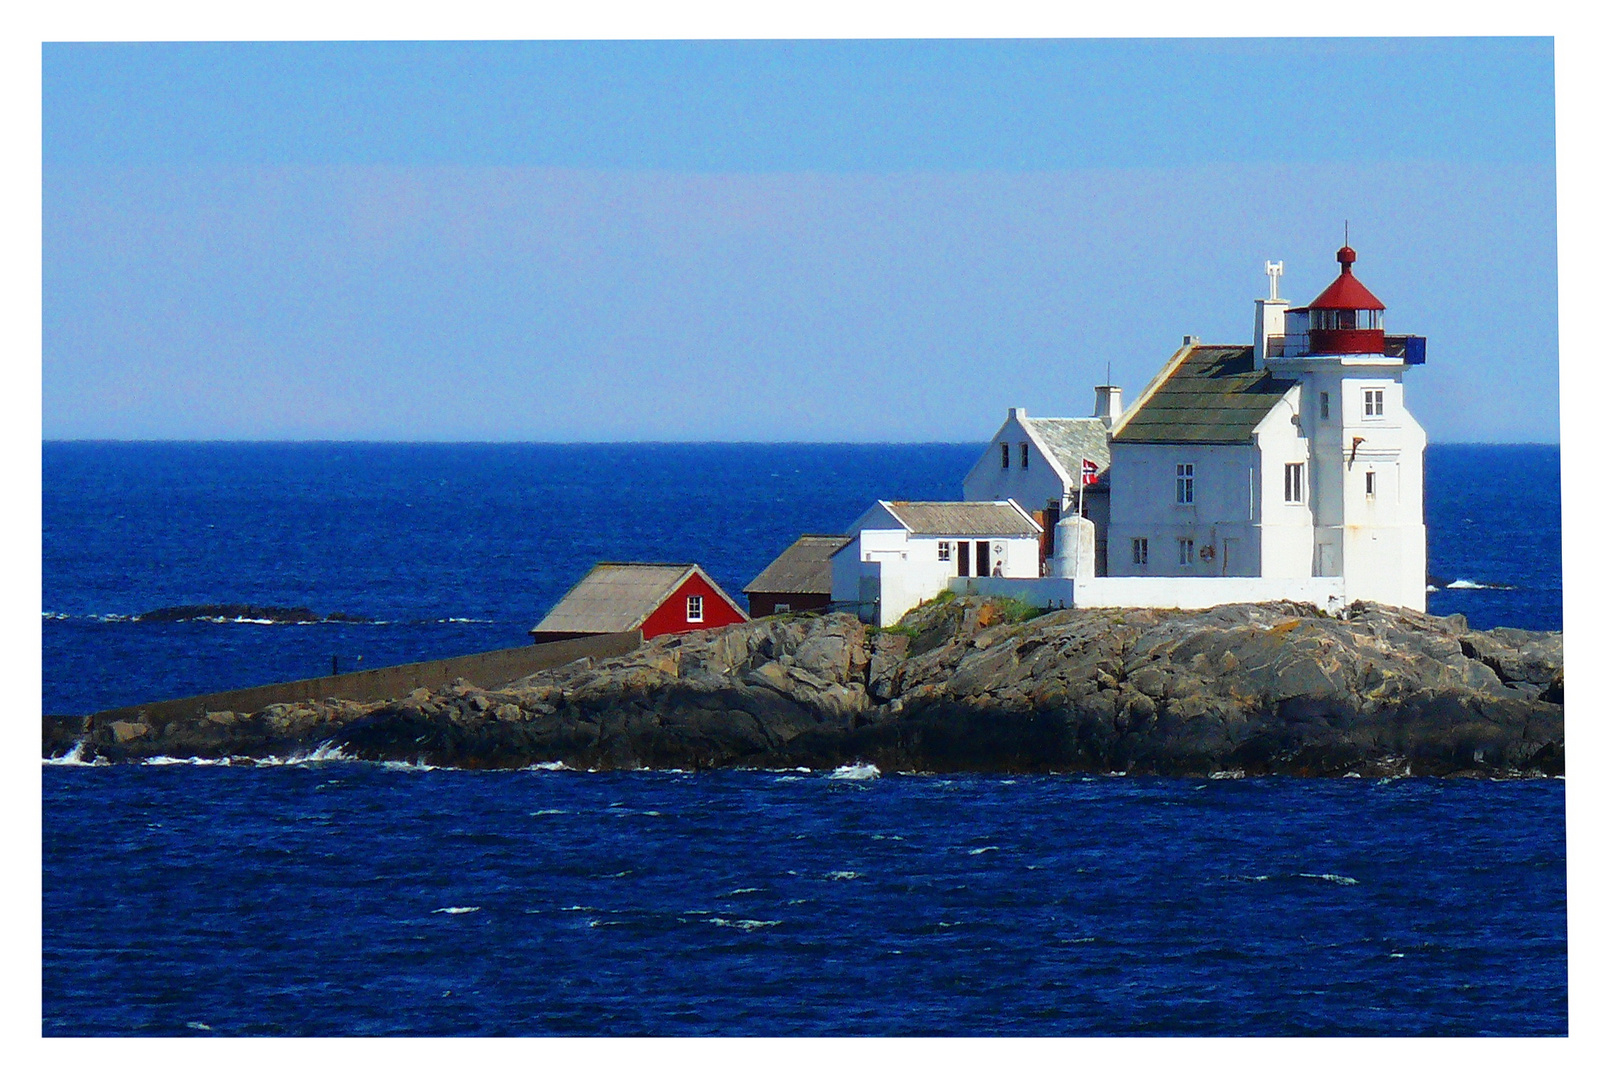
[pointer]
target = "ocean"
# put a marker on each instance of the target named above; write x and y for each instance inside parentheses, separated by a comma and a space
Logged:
(333, 897)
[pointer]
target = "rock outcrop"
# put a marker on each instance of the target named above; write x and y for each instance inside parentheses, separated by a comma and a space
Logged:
(1244, 689)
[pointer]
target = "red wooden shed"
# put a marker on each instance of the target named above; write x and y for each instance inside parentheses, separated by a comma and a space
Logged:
(652, 598)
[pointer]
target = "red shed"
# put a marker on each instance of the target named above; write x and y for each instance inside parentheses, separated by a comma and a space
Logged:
(652, 598)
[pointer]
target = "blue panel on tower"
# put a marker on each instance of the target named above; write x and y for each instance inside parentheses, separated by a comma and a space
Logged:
(1414, 350)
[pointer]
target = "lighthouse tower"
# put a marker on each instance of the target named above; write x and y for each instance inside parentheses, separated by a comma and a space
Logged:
(1366, 450)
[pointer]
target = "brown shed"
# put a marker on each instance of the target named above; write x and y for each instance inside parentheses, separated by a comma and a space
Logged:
(800, 579)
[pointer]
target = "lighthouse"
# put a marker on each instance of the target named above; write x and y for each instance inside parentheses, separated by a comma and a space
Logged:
(1365, 449)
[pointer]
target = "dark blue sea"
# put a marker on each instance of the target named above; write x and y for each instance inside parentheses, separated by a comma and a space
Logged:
(333, 897)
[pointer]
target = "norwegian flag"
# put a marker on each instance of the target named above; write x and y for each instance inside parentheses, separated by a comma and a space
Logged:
(1087, 471)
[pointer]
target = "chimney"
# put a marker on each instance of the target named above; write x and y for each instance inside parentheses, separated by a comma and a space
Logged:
(1108, 407)
(1017, 414)
(1270, 319)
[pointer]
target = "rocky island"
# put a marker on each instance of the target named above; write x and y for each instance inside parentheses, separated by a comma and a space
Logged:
(964, 684)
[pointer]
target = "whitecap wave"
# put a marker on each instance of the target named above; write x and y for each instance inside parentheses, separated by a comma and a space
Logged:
(453, 910)
(75, 756)
(1335, 879)
(748, 925)
(857, 771)
(982, 850)
(841, 875)
(548, 766)
(1463, 583)
(325, 751)
(163, 759)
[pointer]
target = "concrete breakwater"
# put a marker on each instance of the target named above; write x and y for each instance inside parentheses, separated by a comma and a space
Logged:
(1242, 689)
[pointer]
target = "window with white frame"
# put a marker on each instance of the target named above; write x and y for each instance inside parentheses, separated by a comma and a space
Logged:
(1375, 403)
(1188, 551)
(1138, 550)
(1325, 405)
(1006, 456)
(1370, 483)
(945, 551)
(1294, 482)
(1023, 455)
(1185, 482)
(696, 609)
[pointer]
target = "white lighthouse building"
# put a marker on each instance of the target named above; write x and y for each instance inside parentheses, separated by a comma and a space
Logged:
(1286, 469)
(1291, 459)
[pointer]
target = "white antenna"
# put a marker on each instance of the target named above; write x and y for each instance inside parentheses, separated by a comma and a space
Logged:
(1274, 270)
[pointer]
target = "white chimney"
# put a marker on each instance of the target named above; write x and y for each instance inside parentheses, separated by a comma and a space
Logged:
(1017, 414)
(1108, 406)
(1270, 319)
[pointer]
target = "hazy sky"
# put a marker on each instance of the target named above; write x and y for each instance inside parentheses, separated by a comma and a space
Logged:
(768, 241)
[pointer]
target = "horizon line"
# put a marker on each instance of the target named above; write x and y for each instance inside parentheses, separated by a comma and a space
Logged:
(612, 442)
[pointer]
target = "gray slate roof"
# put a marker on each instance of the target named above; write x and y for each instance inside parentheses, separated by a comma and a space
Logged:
(1213, 396)
(616, 597)
(1073, 441)
(802, 568)
(981, 519)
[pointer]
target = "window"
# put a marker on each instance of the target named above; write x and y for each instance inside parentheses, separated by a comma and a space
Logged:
(1023, 455)
(696, 609)
(1006, 456)
(1325, 405)
(1187, 550)
(945, 551)
(1138, 550)
(1370, 484)
(1294, 484)
(1184, 482)
(1374, 402)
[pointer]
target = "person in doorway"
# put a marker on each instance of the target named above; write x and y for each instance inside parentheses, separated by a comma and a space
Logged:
(996, 572)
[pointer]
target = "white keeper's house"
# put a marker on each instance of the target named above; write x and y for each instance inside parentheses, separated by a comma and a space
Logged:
(1285, 469)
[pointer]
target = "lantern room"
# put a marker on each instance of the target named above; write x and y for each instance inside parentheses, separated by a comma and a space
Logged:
(1346, 318)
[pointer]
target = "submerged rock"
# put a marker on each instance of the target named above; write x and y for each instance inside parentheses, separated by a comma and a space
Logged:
(1242, 689)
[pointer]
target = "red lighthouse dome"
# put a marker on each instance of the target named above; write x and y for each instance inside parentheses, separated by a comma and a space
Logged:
(1346, 317)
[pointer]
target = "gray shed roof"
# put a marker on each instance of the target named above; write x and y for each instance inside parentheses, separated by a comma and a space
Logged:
(1072, 441)
(616, 597)
(802, 568)
(1213, 395)
(983, 519)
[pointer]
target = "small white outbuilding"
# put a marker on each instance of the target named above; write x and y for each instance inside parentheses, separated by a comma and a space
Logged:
(901, 554)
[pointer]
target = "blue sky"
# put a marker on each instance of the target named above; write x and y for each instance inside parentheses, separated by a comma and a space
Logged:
(768, 240)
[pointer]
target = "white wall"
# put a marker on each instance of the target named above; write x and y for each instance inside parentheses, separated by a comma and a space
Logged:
(1142, 504)
(901, 571)
(1377, 544)
(1033, 487)
(1186, 593)
(1286, 530)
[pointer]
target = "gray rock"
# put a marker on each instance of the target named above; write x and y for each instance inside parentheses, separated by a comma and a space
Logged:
(1243, 688)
